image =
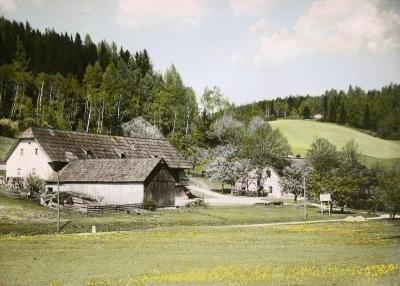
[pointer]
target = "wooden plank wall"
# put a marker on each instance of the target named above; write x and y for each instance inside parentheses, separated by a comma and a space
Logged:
(160, 185)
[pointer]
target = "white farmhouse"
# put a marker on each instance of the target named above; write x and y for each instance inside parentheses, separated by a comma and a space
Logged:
(270, 182)
(93, 163)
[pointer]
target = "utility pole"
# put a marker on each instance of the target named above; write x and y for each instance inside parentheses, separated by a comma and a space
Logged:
(305, 198)
(58, 201)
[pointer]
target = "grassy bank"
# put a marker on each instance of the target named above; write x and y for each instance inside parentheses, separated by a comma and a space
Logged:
(334, 254)
(301, 133)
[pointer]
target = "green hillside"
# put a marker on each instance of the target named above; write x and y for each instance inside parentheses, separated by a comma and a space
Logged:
(301, 133)
(5, 145)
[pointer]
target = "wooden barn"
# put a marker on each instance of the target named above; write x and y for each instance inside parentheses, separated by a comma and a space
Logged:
(118, 181)
(115, 169)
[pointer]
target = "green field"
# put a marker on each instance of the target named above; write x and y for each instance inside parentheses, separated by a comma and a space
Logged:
(19, 216)
(197, 246)
(5, 145)
(329, 254)
(301, 133)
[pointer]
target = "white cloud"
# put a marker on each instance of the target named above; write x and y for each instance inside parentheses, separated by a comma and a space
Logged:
(259, 26)
(139, 13)
(240, 7)
(7, 5)
(338, 27)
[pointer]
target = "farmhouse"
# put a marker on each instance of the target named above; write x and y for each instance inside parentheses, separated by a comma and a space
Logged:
(99, 164)
(270, 182)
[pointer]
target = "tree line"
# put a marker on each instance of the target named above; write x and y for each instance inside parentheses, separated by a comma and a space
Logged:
(51, 80)
(376, 111)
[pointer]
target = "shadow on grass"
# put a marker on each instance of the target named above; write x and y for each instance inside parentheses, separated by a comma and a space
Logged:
(224, 191)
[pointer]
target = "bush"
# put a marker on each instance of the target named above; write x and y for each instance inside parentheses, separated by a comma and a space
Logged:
(149, 203)
(8, 128)
(35, 184)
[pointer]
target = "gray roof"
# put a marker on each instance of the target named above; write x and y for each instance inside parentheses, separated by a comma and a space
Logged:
(299, 163)
(107, 170)
(67, 146)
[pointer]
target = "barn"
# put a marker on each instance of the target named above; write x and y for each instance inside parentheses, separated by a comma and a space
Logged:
(116, 169)
(118, 181)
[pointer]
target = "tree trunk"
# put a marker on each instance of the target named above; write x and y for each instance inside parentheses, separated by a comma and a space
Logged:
(89, 115)
(295, 198)
(15, 102)
(174, 124)
(342, 209)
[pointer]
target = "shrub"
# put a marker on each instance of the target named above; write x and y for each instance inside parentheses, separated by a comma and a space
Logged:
(35, 184)
(8, 128)
(149, 203)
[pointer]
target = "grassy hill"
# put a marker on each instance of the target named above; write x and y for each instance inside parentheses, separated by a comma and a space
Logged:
(301, 133)
(5, 145)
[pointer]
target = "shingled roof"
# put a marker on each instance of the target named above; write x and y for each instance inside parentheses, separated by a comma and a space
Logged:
(67, 146)
(107, 170)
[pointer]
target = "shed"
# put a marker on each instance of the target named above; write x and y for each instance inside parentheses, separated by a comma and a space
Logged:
(118, 181)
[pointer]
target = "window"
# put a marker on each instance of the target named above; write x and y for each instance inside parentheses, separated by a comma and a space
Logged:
(36, 151)
(88, 153)
(33, 171)
(122, 155)
(18, 172)
(49, 189)
(270, 189)
(21, 151)
(268, 172)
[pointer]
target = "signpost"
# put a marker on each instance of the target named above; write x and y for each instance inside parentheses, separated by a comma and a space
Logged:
(325, 198)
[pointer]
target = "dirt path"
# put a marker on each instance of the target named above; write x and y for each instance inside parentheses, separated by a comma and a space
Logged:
(383, 216)
(200, 189)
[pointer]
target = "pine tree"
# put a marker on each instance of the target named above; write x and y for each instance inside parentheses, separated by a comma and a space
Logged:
(367, 117)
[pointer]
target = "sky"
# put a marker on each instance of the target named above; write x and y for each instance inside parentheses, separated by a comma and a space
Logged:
(250, 49)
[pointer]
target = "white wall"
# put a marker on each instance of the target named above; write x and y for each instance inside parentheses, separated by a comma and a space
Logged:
(113, 194)
(272, 181)
(29, 162)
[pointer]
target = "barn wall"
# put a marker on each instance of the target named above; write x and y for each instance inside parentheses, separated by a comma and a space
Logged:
(116, 194)
(160, 185)
(29, 162)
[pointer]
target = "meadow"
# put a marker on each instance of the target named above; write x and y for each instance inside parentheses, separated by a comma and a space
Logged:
(193, 246)
(324, 254)
(301, 134)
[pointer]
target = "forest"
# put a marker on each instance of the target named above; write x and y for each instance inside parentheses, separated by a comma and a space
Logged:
(56, 80)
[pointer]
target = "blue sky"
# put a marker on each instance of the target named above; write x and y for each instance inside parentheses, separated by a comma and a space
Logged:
(252, 50)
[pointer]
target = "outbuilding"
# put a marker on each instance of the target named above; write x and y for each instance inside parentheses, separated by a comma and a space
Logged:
(118, 181)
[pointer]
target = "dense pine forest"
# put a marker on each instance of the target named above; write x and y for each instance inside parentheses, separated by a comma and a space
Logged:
(57, 80)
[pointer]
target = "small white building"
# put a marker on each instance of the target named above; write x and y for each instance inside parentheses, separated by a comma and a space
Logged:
(270, 182)
(318, 116)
